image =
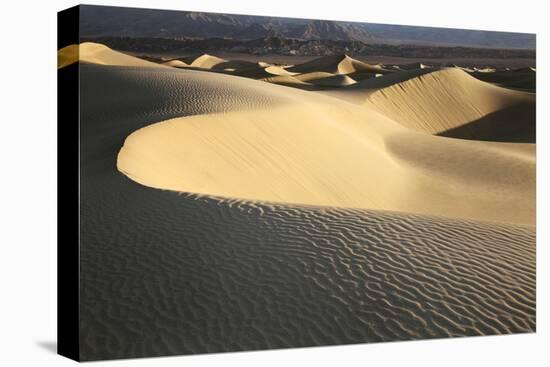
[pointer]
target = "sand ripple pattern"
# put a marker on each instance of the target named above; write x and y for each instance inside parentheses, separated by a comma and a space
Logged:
(161, 93)
(186, 274)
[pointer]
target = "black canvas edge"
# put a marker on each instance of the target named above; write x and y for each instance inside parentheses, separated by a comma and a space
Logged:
(68, 191)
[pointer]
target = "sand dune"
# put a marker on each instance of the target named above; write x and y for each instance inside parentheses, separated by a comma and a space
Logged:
(207, 61)
(232, 65)
(96, 53)
(381, 275)
(260, 71)
(261, 152)
(359, 92)
(445, 100)
(290, 81)
(291, 170)
(337, 64)
(315, 75)
(176, 63)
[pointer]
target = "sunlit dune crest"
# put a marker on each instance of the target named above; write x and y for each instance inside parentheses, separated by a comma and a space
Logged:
(96, 53)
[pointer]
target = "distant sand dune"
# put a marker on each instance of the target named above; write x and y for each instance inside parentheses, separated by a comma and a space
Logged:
(522, 79)
(258, 71)
(290, 81)
(207, 61)
(445, 100)
(234, 65)
(337, 64)
(334, 81)
(359, 92)
(176, 63)
(314, 75)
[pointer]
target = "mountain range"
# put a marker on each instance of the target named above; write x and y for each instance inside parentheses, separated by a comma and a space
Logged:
(102, 21)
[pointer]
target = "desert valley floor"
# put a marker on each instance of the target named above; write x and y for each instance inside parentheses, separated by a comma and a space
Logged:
(234, 205)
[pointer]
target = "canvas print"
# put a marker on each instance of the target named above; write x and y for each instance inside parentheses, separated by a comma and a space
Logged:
(250, 182)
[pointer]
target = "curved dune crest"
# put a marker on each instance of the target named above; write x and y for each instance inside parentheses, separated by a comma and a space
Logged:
(176, 64)
(261, 71)
(337, 64)
(207, 61)
(95, 53)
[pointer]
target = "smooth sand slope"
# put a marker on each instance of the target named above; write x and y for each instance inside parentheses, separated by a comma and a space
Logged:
(169, 273)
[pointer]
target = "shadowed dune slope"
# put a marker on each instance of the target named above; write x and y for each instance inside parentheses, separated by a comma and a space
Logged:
(359, 92)
(443, 101)
(334, 81)
(258, 71)
(522, 79)
(234, 65)
(290, 81)
(362, 75)
(315, 75)
(446, 99)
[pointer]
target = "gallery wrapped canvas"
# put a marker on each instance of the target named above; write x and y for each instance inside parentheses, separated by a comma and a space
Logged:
(235, 182)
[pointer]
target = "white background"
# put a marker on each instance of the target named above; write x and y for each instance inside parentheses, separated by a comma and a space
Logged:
(28, 182)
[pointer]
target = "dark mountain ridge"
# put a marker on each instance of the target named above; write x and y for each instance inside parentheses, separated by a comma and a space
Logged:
(101, 21)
